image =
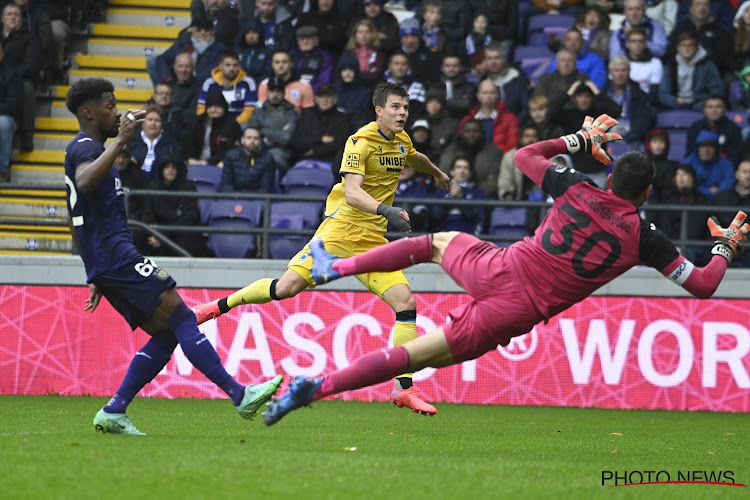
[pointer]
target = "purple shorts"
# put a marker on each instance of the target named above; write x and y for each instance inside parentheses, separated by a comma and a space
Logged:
(499, 309)
(134, 289)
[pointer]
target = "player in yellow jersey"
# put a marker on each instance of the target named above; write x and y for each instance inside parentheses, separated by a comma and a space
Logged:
(358, 209)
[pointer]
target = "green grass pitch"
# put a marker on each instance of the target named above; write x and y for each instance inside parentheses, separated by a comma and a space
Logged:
(336, 449)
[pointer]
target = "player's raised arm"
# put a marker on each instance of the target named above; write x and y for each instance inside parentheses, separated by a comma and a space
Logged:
(728, 243)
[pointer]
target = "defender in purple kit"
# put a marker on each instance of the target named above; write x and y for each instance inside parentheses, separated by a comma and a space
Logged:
(136, 287)
(589, 237)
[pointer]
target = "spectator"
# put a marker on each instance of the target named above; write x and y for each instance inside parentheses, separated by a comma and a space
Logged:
(721, 10)
(185, 87)
(11, 100)
(411, 184)
(478, 38)
(151, 146)
(736, 196)
(714, 173)
(689, 77)
(657, 148)
(353, 96)
(587, 62)
(249, 167)
(331, 25)
(684, 192)
(255, 56)
(593, 23)
(425, 64)
(22, 53)
(484, 155)
(457, 92)
(171, 211)
(663, 12)
(385, 24)
(172, 118)
(363, 46)
(212, 134)
(223, 17)
(637, 114)
(710, 35)
(233, 83)
(512, 184)
(645, 69)
(741, 52)
(314, 65)
(478, 68)
(468, 219)
(715, 120)
(635, 15)
(322, 129)
(500, 126)
(513, 85)
(39, 24)
(59, 16)
(131, 177)
(570, 109)
(739, 90)
(455, 22)
(433, 38)
(551, 85)
(443, 127)
(297, 92)
(422, 138)
(502, 21)
(277, 121)
(539, 117)
(272, 23)
(399, 73)
(202, 47)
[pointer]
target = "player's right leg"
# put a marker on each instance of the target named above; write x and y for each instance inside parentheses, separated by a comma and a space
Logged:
(258, 292)
(375, 367)
(392, 256)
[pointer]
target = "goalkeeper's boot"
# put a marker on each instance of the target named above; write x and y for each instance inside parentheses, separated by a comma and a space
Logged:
(300, 394)
(207, 311)
(256, 396)
(411, 398)
(115, 423)
(322, 268)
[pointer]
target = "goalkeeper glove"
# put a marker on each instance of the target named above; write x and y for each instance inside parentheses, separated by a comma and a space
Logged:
(592, 137)
(730, 241)
(392, 214)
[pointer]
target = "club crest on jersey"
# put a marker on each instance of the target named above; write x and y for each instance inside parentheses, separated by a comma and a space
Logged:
(161, 274)
(304, 256)
(401, 148)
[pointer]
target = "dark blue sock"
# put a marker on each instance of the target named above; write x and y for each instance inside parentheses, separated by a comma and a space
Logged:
(146, 364)
(202, 354)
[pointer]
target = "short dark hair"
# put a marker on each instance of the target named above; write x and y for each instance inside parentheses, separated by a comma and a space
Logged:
(227, 54)
(529, 126)
(280, 51)
(714, 97)
(632, 174)
(637, 30)
(88, 89)
(383, 90)
(253, 127)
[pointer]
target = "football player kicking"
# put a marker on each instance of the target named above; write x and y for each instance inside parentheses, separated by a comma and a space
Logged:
(140, 291)
(589, 237)
(358, 209)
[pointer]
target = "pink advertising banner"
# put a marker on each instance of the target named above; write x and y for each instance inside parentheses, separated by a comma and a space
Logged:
(607, 352)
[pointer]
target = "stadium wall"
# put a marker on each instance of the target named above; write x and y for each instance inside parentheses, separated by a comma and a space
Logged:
(640, 342)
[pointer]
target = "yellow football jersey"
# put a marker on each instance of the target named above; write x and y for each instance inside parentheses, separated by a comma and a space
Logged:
(370, 154)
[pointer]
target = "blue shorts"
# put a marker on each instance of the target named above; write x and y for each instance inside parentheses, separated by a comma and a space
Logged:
(134, 289)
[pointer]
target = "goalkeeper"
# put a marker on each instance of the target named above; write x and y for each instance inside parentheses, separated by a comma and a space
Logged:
(589, 237)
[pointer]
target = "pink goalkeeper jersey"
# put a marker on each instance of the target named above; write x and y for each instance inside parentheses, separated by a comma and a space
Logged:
(589, 237)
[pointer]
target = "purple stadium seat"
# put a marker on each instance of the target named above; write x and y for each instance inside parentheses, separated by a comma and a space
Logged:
(533, 61)
(740, 118)
(677, 144)
(207, 179)
(508, 222)
(677, 118)
(618, 148)
(234, 214)
(541, 38)
(538, 22)
(282, 246)
(309, 178)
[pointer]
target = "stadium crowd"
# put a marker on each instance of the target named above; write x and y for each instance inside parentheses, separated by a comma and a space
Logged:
(256, 86)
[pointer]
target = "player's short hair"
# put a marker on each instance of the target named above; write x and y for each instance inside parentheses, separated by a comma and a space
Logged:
(632, 174)
(383, 90)
(88, 89)
(228, 54)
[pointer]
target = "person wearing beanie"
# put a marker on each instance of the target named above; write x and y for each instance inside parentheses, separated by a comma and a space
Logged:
(424, 63)
(353, 96)
(212, 134)
(443, 127)
(657, 148)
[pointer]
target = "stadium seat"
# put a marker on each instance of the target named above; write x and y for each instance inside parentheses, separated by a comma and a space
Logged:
(533, 61)
(309, 178)
(541, 38)
(287, 215)
(239, 215)
(207, 179)
(677, 144)
(509, 223)
(740, 118)
(618, 148)
(538, 22)
(677, 118)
